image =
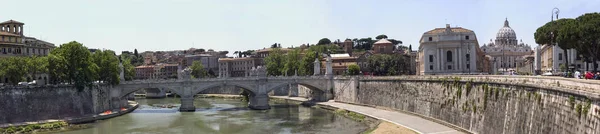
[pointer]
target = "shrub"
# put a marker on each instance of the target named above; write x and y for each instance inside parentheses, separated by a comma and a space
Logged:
(578, 110)
(572, 101)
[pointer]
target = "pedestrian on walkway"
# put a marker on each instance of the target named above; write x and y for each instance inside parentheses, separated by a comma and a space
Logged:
(597, 76)
(589, 75)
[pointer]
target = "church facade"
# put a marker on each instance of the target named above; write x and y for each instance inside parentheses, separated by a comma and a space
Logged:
(449, 50)
(505, 52)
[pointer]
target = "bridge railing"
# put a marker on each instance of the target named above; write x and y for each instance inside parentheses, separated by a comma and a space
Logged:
(220, 79)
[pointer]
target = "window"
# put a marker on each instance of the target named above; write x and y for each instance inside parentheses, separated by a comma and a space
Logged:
(467, 37)
(468, 57)
(449, 56)
(578, 65)
(430, 67)
(468, 66)
(449, 67)
(514, 64)
(430, 39)
(559, 56)
(430, 58)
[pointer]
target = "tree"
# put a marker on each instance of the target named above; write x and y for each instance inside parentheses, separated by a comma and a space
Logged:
(275, 62)
(324, 41)
(198, 70)
(57, 68)
(589, 32)
(79, 68)
(15, 69)
(108, 66)
(276, 45)
(364, 43)
(381, 64)
(128, 69)
(135, 53)
(383, 36)
(353, 69)
(292, 62)
(551, 31)
(307, 63)
(36, 65)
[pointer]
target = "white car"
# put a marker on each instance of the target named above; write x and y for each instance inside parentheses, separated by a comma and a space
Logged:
(547, 74)
(23, 83)
(32, 83)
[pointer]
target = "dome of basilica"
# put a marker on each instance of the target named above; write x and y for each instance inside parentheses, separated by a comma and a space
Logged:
(506, 32)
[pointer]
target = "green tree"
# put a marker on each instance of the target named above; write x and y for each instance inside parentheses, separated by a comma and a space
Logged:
(383, 36)
(589, 31)
(307, 63)
(353, 69)
(198, 70)
(108, 66)
(57, 68)
(364, 43)
(36, 65)
(324, 41)
(128, 69)
(552, 31)
(381, 64)
(292, 62)
(15, 69)
(275, 62)
(80, 70)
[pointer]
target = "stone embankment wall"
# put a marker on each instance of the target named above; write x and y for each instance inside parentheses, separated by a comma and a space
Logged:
(43, 103)
(494, 105)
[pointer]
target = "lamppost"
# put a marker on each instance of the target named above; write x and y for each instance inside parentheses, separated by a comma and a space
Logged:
(554, 11)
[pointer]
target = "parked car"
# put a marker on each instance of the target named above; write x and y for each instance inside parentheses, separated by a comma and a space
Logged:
(547, 74)
(32, 83)
(23, 83)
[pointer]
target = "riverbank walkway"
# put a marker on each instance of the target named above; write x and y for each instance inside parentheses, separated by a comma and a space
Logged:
(412, 122)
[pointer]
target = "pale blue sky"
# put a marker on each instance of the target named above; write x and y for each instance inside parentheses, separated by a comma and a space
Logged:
(241, 25)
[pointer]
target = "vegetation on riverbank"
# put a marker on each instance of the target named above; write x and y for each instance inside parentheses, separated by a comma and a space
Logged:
(31, 128)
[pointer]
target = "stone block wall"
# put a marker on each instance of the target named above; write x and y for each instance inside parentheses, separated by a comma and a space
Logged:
(479, 106)
(43, 103)
(232, 90)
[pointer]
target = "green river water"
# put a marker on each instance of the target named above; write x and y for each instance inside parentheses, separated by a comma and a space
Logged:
(223, 116)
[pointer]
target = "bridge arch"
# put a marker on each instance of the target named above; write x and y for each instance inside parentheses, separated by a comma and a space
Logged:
(126, 90)
(200, 88)
(312, 87)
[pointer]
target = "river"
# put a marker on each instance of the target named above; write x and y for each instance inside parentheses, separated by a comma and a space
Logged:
(224, 116)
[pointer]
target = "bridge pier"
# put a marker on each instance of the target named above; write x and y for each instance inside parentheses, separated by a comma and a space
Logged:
(187, 104)
(259, 101)
(293, 91)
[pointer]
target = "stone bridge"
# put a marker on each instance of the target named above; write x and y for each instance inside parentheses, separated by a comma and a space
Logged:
(257, 86)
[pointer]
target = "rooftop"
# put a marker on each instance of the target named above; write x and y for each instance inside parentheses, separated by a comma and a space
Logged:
(12, 22)
(453, 29)
(383, 41)
(234, 59)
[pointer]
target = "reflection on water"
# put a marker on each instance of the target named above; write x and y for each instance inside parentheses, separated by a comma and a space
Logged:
(220, 116)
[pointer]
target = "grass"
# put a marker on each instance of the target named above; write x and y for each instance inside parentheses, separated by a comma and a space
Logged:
(351, 115)
(34, 127)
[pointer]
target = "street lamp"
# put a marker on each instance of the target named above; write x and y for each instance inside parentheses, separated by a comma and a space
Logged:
(554, 11)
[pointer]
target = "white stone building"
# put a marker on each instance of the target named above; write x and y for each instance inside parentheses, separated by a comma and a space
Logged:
(505, 51)
(449, 50)
(550, 58)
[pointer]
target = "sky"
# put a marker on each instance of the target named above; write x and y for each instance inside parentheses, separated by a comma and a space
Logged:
(237, 25)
